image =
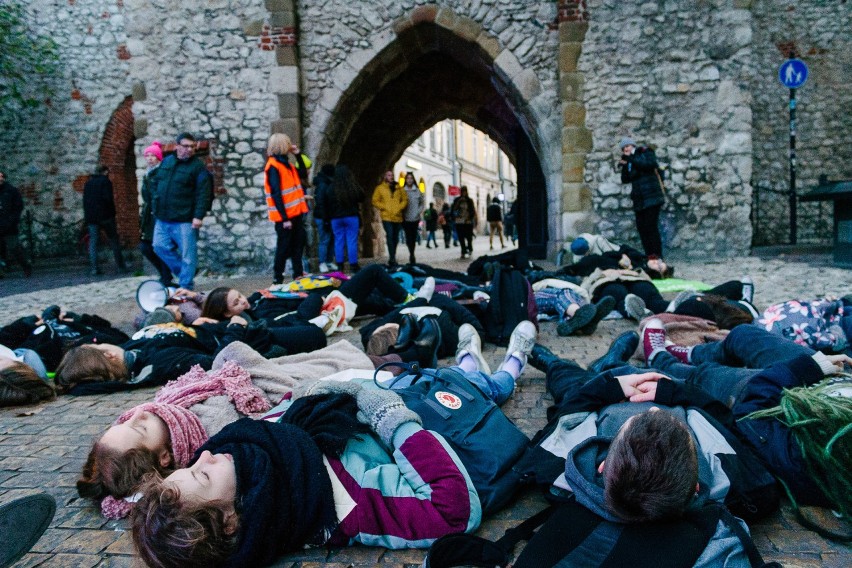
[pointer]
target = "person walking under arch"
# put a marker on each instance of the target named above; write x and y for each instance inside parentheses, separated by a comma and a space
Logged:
(494, 216)
(464, 214)
(411, 217)
(391, 202)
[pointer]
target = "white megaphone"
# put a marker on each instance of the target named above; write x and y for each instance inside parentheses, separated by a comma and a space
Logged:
(152, 294)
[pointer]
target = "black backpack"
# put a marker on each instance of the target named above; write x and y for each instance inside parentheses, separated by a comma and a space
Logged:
(512, 301)
(472, 423)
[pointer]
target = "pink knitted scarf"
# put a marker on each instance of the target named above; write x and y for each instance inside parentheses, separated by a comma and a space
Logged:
(231, 380)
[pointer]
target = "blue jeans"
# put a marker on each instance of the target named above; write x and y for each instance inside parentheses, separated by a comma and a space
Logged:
(323, 240)
(723, 368)
(392, 231)
(346, 237)
(177, 245)
(498, 387)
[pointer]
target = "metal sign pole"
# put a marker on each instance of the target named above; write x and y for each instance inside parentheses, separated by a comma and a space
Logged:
(793, 166)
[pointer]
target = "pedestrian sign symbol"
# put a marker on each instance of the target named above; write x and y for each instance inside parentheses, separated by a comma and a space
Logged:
(793, 73)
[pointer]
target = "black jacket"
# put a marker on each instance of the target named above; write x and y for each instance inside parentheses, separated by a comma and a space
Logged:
(494, 213)
(640, 170)
(11, 207)
(146, 214)
(322, 195)
(183, 190)
(98, 204)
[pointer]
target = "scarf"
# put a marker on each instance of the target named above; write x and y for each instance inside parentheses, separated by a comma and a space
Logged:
(284, 495)
(186, 435)
(198, 385)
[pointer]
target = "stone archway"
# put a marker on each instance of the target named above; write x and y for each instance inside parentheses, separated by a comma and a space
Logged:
(385, 106)
(116, 153)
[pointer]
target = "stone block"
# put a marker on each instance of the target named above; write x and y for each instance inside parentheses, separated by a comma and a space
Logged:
(572, 196)
(571, 86)
(569, 55)
(742, 4)
(279, 5)
(527, 84)
(288, 105)
(284, 79)
(283, 19)
(423, 14)
(252, 27)
(573, 31)
(576, 139)
(573, 114)
(292, 127)
(573, 167)
(489, 44)
(507, 65)
(446, 18)
(140, 127)
(286, 55)
(468, 28)
(137, 91)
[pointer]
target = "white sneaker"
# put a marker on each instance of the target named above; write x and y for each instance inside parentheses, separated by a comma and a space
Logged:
(323, 267)
(427, 289)
(522, 339)
(471, 344)
(635, 307)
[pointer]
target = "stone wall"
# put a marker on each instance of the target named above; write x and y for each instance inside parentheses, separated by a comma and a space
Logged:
(53, 148)
(673, 75)
(819, 34)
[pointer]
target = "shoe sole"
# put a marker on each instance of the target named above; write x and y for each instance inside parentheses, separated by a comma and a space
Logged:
(602, 309)
(581, 318)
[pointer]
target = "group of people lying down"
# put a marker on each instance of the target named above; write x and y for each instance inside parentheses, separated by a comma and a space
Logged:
(264, 438)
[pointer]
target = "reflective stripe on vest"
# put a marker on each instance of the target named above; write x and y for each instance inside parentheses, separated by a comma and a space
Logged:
(291, 191)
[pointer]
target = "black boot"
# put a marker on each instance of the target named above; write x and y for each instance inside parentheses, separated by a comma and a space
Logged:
(428, 342)
(620, 351)
(602, 309)
(409, 329)
(541, 357)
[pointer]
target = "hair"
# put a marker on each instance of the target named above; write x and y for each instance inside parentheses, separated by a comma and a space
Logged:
(184, 136)
(168, 532)
(651, 469)
(412, 177)
(215, 305)
(85, 364)
(279, 144)
(495, 200)
(20, 384)
(725, 314)
(463, 189)
(347, 192)
(821, 424)
(111, 472)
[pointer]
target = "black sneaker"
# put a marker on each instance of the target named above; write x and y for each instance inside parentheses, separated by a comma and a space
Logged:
(602, 309)
(581, 318)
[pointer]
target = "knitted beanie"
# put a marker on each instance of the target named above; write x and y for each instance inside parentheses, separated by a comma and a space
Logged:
(626, 141)
(580, 246)
(231, 380)
(155, 149)
(185, 430)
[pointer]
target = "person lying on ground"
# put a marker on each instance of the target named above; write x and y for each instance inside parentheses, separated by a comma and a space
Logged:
(570, 304)
(319, 477)
(727, 305)
(164, 434)
(162, 352)
(23, 378)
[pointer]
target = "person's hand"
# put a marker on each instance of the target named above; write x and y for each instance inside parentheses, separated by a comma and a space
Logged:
(640, 387)
(239, 321)
(184, 293)
(624, 261)
(287, 225)
(202, 320)
(839, 361)
(196, 223)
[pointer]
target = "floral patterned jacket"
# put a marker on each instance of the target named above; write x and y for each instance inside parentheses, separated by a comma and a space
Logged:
(812, 323)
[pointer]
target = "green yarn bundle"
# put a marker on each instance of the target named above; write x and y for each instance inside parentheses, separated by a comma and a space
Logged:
(820, 418)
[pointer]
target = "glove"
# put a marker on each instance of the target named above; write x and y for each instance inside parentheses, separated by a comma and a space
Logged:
(384, 411)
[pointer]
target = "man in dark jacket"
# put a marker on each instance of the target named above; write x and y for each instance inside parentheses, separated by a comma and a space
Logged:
(322, 196)
(494, 216)
(181, 200)
(99, 215)
(11, 207)
(640, 169)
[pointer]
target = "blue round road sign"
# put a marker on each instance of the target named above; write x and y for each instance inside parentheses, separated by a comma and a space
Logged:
(793, 73)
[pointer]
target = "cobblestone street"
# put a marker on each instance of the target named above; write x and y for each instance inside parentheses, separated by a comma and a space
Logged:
(42, 447)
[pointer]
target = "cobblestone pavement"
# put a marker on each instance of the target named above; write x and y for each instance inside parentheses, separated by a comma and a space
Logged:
(42, 447)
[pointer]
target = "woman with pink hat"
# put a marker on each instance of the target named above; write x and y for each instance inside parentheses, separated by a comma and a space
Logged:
(153, 156)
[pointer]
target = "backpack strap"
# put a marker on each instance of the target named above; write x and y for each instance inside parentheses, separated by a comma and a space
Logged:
(525, 530)
(754, 557)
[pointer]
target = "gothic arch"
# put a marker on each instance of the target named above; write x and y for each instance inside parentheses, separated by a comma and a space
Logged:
(379, 108)
(116, 152)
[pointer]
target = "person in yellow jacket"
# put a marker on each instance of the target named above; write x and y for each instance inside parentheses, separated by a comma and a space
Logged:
(391, 201)
(285, 203)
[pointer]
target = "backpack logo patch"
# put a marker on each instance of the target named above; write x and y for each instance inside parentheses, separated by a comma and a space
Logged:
(449, 400)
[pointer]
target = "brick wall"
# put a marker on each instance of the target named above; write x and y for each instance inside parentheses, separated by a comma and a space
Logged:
(116, 153)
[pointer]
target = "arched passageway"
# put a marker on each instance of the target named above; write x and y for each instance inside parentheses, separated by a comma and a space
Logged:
(427, 74)
(116, 153)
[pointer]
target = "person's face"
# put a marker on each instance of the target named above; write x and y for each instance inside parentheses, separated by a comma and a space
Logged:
(389, 176)
(237, 303)
(211, 478)
(2, 178)
(628, 150)
(6, 362)
(409, 180)
(185, 149)
(143, 430)
(151, 160)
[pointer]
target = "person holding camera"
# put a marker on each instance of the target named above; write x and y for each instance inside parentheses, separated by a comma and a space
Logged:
(639, 168)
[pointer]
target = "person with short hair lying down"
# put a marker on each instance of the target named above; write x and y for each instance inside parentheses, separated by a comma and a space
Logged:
(319, 477)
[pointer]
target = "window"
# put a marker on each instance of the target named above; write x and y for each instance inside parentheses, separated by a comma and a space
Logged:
(433, 145)
(475, 146)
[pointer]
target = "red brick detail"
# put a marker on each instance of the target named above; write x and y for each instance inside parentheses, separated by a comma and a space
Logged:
(58, 200)
(122, 52)
(76, 95)
(572, 11)
(29, 193)
(270, 37)
(79, 182)
(788, 48)
(116, 153)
